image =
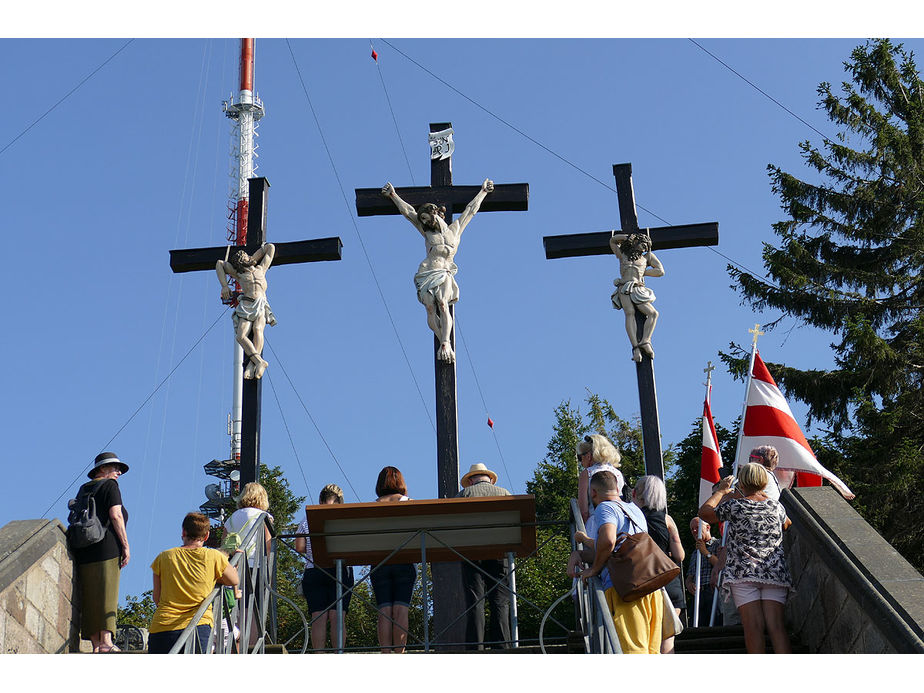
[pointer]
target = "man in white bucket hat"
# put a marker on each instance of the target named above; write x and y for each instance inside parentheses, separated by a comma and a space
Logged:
(477, 483)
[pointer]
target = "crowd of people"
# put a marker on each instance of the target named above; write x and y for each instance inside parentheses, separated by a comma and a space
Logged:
(742, 578)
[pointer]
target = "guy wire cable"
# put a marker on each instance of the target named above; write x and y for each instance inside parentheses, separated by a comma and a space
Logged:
(311, 418)
(539, 144)
(471, 363)
(63, 98)
(356, 229)
(135, 413)
(289, 433)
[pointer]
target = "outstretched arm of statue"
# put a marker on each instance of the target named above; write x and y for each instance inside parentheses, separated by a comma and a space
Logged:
(409, 213)
(471, 209)
(615, 240)
(655, 268)
(264, 256)
(223, 269)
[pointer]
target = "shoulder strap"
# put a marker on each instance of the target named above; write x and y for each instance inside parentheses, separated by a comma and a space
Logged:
(625, 512)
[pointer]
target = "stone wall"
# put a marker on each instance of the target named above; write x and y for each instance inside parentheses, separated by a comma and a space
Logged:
(854, 592)
(37, 589)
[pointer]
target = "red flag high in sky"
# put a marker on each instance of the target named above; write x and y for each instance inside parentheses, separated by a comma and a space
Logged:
(712, 458)
(768, 420)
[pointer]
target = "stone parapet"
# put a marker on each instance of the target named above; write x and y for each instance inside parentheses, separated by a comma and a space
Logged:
(38, 613)
(854, 592)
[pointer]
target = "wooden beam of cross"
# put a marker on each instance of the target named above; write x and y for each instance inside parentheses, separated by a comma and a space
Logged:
(662, 238)
(447, 583)
(441, 191)
(198, 259)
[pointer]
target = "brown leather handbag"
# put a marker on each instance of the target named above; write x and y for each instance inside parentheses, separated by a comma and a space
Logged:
(638, 566)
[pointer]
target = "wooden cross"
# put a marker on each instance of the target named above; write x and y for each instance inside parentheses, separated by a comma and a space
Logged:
(441, 191)
(663, 237)
(196, 259)
(447, 582)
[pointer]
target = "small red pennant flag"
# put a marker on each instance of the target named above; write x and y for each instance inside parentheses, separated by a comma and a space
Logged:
(490, 423)
(375, 56)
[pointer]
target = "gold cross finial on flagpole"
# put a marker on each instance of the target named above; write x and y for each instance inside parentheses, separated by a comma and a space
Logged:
(756, 332)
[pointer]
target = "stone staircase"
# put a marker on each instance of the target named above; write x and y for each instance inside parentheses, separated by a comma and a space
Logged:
(721, 640)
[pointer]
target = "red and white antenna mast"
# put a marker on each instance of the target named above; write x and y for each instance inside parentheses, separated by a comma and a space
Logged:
(245, 111)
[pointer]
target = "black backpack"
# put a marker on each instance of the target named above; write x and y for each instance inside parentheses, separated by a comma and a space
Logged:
(84, 526)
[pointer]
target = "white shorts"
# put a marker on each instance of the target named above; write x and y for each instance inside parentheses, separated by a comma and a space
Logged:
(745, 592)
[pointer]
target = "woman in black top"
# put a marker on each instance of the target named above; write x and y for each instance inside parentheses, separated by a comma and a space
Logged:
(651, 496)
(98, 565)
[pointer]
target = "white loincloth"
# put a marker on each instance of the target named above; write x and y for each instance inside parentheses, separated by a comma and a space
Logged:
(250, 309)
(635, 290)
(429, 281)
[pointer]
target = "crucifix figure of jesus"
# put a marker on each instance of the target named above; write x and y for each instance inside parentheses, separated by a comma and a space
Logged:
(435, 279)
(636, 261)
(252, 313)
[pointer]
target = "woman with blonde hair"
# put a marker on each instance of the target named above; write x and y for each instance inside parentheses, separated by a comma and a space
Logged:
(596, 454)
(756, 574)
(252, 503)
(319, 585)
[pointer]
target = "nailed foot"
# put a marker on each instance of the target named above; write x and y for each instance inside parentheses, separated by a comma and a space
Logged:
(446, 353)
(646, 349)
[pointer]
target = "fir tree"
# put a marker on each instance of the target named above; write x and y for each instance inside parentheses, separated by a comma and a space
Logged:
(849, 261)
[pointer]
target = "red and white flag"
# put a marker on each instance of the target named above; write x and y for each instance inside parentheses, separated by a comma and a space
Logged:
(712, 458)
(768, 420)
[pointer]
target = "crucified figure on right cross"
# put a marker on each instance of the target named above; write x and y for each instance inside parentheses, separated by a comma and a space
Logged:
(636, 261)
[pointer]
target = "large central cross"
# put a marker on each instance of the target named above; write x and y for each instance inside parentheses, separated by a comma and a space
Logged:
(441, 191)
(196, 259)
(663, 237)
(447, 583)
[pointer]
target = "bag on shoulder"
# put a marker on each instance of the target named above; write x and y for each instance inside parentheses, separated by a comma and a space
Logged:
(233, 540)
(84, 526)
(638, 566)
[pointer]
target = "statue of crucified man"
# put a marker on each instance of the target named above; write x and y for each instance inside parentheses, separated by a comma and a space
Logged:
(435, 278)
(252, 312)
(636, 261)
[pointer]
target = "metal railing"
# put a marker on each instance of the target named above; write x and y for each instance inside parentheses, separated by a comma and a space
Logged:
(591, 611)
(239, 625)
(427, 639)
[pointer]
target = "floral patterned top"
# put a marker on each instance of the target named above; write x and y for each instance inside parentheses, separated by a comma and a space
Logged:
(755, 542)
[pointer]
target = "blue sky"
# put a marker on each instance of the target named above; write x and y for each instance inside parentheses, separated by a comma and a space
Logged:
(135, 161)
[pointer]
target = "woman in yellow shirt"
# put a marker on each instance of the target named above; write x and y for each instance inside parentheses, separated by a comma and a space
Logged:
(183, 577)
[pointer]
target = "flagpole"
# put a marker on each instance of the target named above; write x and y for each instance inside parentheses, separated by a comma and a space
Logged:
(744, 408)
(699, 533)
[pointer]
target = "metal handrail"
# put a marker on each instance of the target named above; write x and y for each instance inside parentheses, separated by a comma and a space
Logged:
(421, 534)
(593, 613)
(255, 586)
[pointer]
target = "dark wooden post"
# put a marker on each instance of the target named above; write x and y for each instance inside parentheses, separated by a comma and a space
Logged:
(201, 259)
(598, 243)
(447, 584)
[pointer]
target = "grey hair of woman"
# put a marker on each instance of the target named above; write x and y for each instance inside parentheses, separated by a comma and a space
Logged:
(650, 493)
(603, 451)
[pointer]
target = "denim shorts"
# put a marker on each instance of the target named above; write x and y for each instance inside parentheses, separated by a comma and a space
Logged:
(394, 584)
(320, 588)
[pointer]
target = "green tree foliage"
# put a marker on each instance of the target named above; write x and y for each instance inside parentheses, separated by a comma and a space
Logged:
(138, 611)
(555, 479)
(849, 260)
(541, 579)
(683, 485)
(286, 509)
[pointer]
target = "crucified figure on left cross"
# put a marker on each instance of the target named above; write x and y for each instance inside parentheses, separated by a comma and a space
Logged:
(252, 313)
